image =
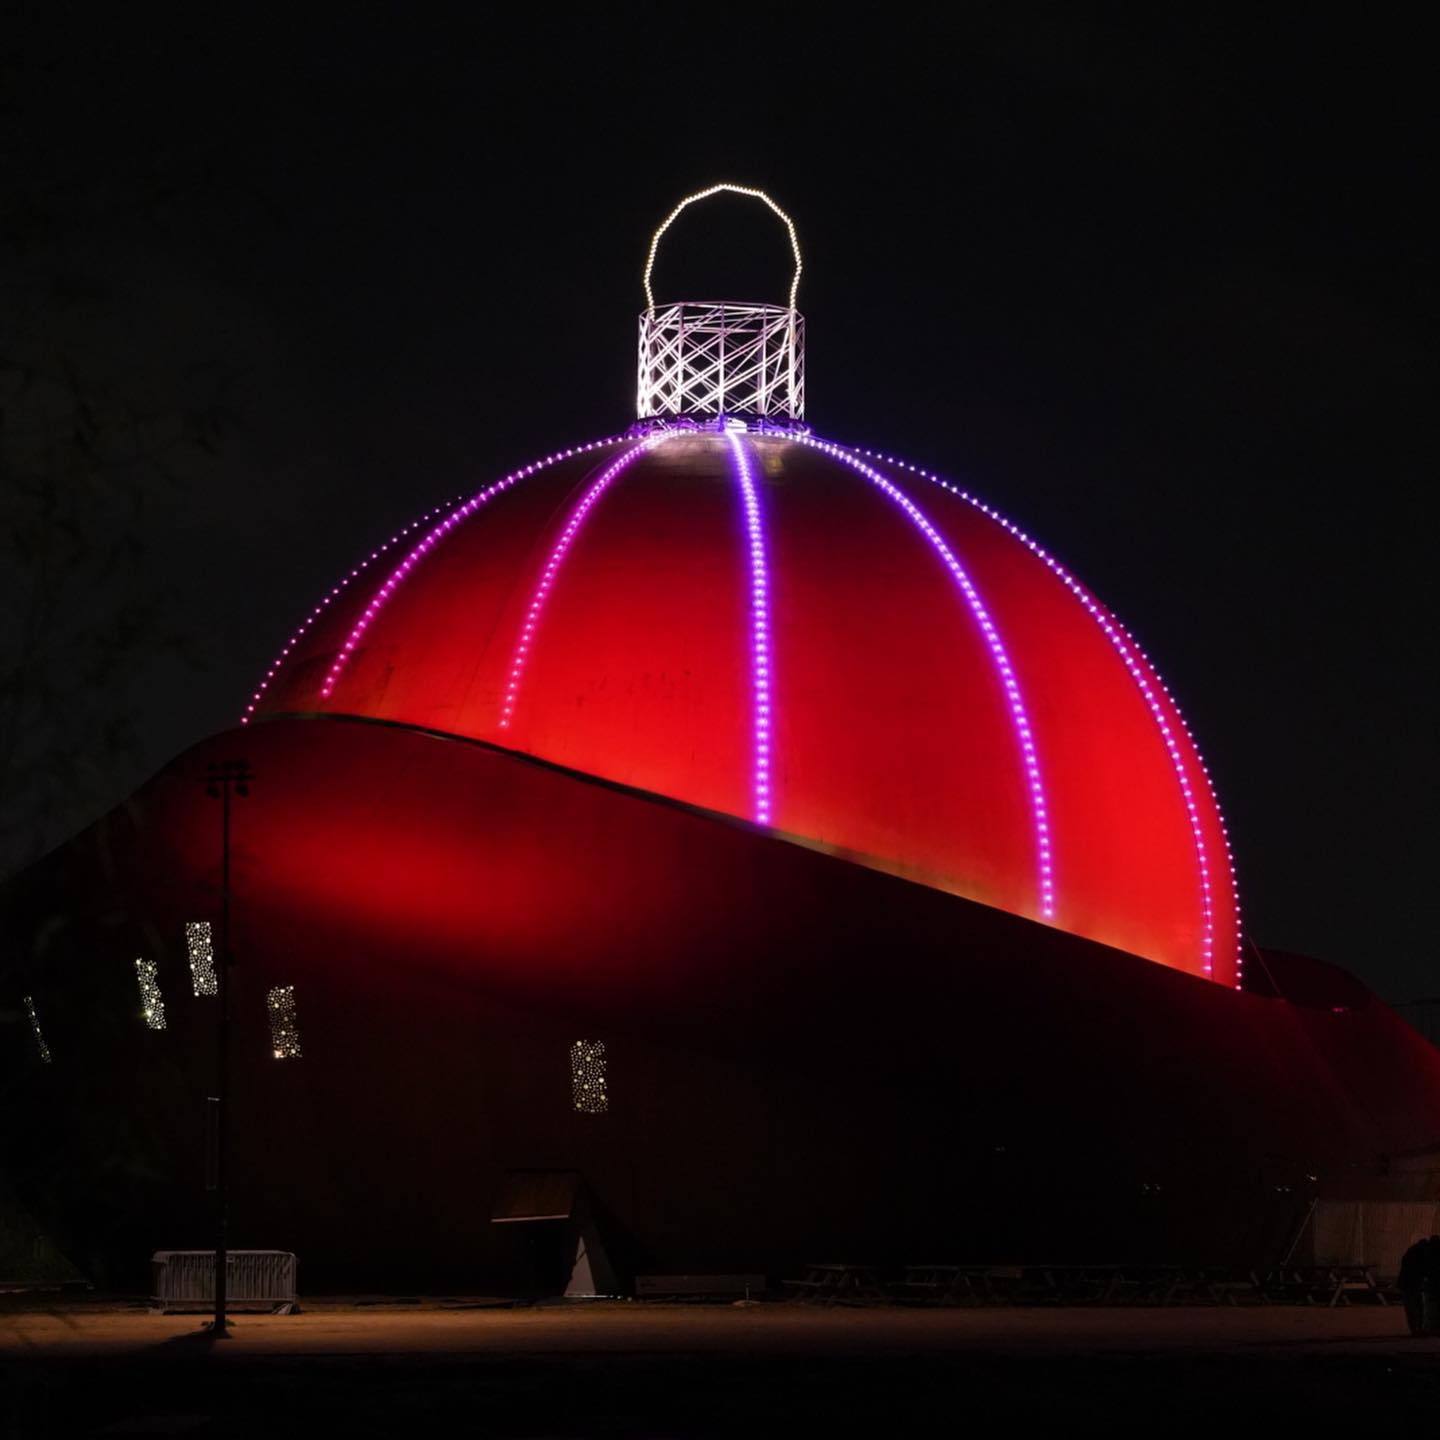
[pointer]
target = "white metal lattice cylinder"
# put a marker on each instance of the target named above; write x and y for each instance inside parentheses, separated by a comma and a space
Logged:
(712, 357)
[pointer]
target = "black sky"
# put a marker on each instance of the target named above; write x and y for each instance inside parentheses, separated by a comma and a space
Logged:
(1156, 281)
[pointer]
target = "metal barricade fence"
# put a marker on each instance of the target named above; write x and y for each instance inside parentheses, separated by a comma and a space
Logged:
(181, 1279)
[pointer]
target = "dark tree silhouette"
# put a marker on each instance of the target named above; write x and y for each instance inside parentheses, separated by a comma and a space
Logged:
(92, 429)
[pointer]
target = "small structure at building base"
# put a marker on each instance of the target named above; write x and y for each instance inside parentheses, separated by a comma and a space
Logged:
(184, 1280)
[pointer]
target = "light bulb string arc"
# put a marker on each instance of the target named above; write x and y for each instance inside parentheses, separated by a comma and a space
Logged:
(761, 661)
(1207, 780)
(431, 539)
(334, 594)
(1157, 698)
(999, 656)
(529, 626)
(722, 188)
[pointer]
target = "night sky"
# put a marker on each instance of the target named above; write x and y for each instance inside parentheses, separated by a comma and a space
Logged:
(1154, 281)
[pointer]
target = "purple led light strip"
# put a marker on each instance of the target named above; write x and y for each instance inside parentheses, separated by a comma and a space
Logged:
(433, 538)
(552, 568)
(759, 629)
(1210, 792)
(1137, 663)
(331, 595)
(1018, 715)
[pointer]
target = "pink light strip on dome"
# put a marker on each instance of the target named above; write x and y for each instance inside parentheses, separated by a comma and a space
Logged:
(1214, 804)
(1018, 715)
(332, 595)
(433, 538)
(1138, 664)
(546, 582)
(759, 628)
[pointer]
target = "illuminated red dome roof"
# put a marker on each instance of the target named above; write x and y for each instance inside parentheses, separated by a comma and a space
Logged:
(825, 643)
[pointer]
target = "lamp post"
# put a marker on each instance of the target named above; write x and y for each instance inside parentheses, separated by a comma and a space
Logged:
(221, 779)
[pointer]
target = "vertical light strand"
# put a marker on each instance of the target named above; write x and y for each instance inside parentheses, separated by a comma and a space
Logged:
(41, 1048)
(1005, 672)
(1137, 663)
(431, 539)
(526, 639)
(760, 665)
(152, 1002)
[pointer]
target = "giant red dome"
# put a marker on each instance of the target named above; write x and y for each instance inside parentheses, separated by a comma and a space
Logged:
(825, 643)
(639, 784)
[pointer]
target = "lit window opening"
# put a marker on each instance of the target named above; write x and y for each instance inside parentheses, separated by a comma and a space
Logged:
(589, 1093)
(152, 1003)
(284, 1032)
(201, 946)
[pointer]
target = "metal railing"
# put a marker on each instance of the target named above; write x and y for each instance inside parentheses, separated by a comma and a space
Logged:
(181, 1279)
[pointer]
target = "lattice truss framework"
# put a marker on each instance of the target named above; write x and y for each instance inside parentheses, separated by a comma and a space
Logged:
(721, 358)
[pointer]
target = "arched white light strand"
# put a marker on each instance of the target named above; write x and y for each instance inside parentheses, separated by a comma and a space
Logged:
(333, 594)
(1014, 700)
(759, 630)
(723, 186)
(1137, 663)
(433, 538)
(558, 552)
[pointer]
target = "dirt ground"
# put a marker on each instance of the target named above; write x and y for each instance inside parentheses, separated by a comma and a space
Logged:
(627, 1369)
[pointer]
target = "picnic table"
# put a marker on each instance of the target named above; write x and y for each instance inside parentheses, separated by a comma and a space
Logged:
(1333, 1285)
(1072, 1284)
(837, 1283)
(953, 1284)
(943, 1285)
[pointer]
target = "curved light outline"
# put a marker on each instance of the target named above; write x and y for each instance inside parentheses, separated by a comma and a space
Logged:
(759, 630)
(552, 568)
(723, 186)
(438, 533)
(1018, 715)
(1126, 647)
(1205, 775)
(331, 595)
